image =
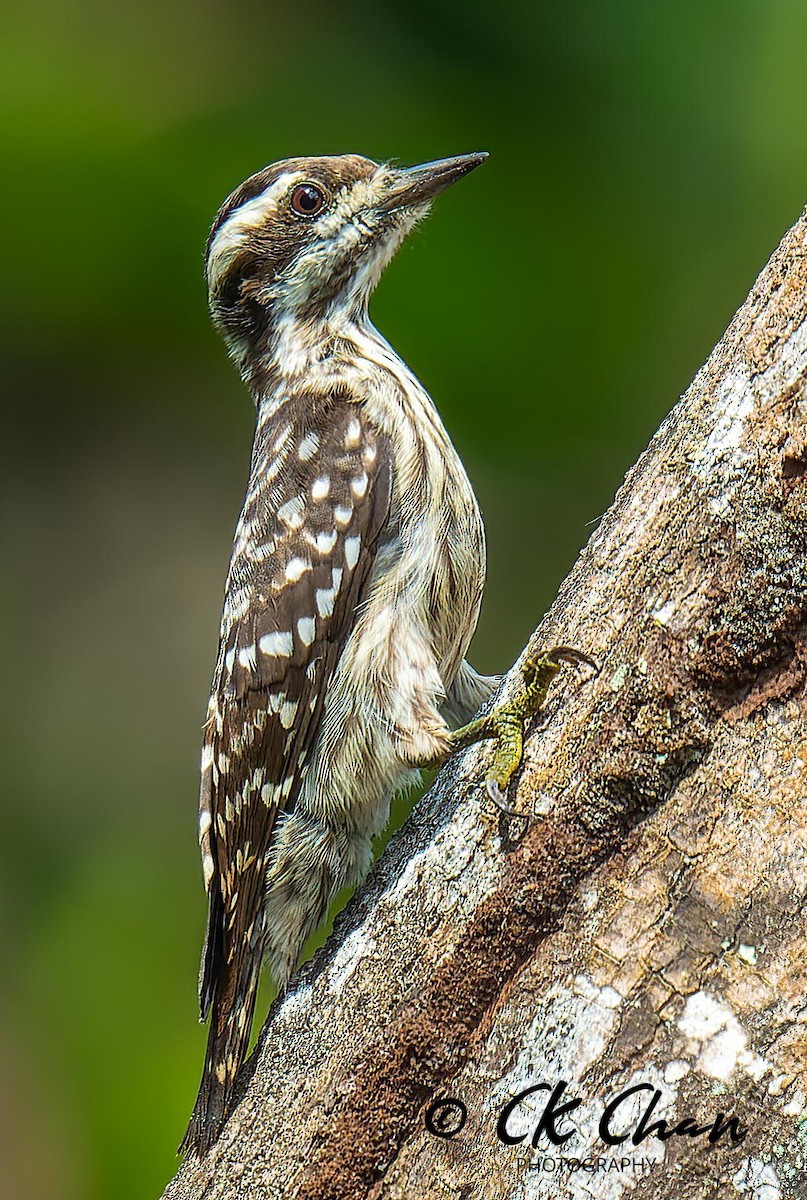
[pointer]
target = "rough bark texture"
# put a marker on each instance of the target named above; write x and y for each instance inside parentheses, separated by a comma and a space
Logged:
(648, 926)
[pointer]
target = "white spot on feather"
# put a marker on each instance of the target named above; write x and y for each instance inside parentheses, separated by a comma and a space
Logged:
(358, 486)
(306, 630)
(352, 547)
(281, 439)
(292, 513)
(246, 657)
(308, 447)
(324, 598)
(296, 568)
(278, 644)
(352, 434)
(261, 553)
(237, 603)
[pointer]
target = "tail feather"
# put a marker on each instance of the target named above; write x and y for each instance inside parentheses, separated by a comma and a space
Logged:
(233, 1007)
(212, 953)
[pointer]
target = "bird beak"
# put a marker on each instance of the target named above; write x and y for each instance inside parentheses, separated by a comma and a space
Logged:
(419, 185)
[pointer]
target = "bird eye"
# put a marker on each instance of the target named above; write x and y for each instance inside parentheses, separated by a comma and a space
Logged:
(307, 200)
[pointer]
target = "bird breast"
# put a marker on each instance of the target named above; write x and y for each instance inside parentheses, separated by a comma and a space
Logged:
(432, 569)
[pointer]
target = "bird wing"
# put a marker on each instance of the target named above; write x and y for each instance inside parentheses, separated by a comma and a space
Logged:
(318, 497)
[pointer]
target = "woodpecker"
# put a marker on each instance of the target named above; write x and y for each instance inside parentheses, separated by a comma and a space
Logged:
(353, 590)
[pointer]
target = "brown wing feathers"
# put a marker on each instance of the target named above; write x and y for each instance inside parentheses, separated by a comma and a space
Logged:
(305, 544)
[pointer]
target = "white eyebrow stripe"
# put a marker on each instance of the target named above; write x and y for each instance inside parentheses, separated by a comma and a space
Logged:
(249, 215)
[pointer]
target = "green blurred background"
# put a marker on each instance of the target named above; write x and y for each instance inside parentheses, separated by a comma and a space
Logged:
(645, 159)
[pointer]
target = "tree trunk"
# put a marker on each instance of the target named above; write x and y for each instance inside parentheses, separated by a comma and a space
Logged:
(646, 926)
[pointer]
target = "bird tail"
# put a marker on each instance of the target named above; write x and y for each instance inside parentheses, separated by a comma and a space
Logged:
(233, 1007)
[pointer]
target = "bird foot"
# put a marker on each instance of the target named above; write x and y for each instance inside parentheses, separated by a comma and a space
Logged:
(506, 724)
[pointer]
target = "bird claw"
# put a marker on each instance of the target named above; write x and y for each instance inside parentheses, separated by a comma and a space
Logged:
(553, 658)
(497, 796)
(571, 655)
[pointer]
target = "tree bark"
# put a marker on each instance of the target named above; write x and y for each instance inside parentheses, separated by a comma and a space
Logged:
(647, 925)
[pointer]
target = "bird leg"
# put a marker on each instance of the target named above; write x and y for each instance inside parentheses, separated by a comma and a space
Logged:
(505, 724)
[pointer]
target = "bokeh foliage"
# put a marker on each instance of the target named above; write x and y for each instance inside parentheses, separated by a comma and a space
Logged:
(645, 158)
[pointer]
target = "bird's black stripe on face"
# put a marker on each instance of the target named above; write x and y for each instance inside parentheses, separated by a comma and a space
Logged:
(334, 173)
(243, 282)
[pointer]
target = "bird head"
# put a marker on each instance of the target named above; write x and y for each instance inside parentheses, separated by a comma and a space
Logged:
(305, 240)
